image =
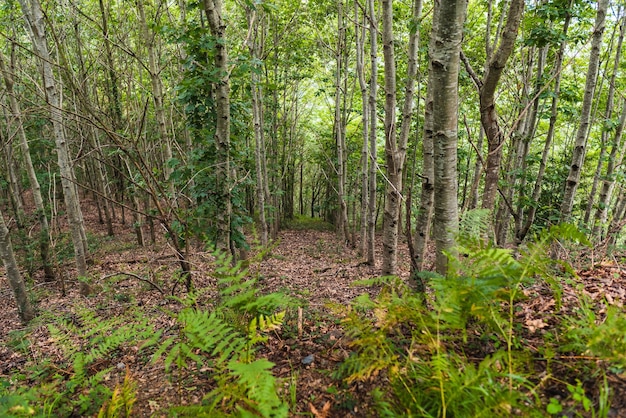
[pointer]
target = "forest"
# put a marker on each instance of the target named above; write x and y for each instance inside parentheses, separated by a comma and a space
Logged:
(322, 208)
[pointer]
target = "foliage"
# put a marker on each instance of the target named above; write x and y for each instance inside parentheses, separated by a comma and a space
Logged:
(428, 349)
(77, 386)
(224, 341)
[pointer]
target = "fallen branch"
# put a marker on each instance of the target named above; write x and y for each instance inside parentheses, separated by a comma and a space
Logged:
(143, 279)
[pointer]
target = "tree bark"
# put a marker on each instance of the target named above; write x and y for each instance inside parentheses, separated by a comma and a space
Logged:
(558, 65)
(488, 111)
(393, 154)
(44, 243)
(608, 114)
(24, 308)
(213, 10)
(360, 32)
(35, 22)
(445, 48)
(254, 47)
(373, 120)
(580, 145)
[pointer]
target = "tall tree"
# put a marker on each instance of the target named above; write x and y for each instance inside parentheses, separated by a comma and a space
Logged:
(488, 111)
(394, 154)
(213, 10)
(33, 15)
(342, 213)
(373, 119)
(18, 127)
(444, 55)
(580, 144)
(255, 17)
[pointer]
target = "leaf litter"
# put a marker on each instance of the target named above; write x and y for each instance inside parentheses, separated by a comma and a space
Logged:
(312, 265)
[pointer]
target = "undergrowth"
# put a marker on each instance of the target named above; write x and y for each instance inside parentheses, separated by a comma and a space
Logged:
(216, 343)
(459, 350)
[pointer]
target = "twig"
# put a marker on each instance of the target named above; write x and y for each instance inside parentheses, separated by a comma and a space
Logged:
(124, 273)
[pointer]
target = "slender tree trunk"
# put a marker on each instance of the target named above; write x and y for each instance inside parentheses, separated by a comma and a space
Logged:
(608, 183)
(34, 18)
(530, 215)
(425, 213)
(44, 243)
(608, 114)
(373, 120)
(580, 145)
(213, 9)
(158, 98)
(24, 308)
(342, 210)
(360, 31)
(488, 112)
(445, 48)
(254, 47)
(393, 185)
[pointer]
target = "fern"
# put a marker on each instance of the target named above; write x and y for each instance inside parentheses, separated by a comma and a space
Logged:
(396, 334)
(224, 341)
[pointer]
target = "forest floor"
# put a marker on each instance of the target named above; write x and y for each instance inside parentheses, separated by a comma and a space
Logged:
(308, 262)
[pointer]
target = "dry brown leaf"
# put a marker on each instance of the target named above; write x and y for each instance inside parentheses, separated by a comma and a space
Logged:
(324, 413)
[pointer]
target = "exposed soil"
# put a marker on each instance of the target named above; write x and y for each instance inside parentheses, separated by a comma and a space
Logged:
(312, 265)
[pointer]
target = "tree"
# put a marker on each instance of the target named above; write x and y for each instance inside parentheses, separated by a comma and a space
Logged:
(213, 10)
(44, 243)
(35, 22)
(580, 144)
(488, 112)
(444, 55)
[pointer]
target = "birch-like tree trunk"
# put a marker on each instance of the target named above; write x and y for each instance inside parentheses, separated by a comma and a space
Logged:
(342, 210)
(393, 154)
(445, 49)
(580, 145)
(616, 157)
(254, 47)
(35, 22)
(608, 114)
(488, 111)
(24, 308)
(213, 10)
(529, 219)
(360, 29)
(158, 98)
(373, 119)
(18, 127)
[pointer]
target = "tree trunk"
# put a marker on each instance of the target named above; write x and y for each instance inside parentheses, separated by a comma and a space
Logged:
(213, 10)
(488, 112)
(373, 120)
(530, 215)
(360, 31)
(158, 98)
(24, 308)
(580, 145)
(393, 155)
(34, 18)
(44, 239)
(254, 47)
(445, 48)
(608, 183)
(342, 210)
(608, 114)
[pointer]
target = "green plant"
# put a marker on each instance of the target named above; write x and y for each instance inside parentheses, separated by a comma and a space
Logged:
(76, 386)
(122, 399)
(421, 346)
(224, 340)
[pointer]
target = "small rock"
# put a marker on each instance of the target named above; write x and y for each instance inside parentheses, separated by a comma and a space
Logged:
(308, 359)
